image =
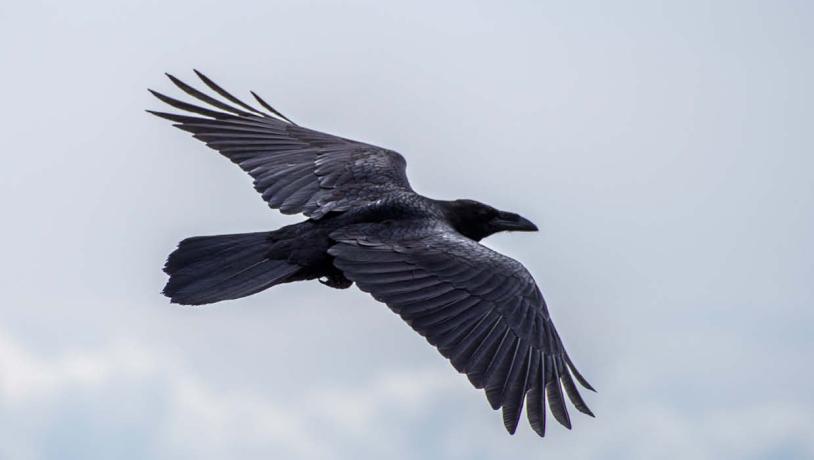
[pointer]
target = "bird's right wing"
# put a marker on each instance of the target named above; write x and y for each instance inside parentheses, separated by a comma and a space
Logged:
(481, 309)
(296, 169)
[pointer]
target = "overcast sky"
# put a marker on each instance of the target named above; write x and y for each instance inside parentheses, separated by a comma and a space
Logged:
(665, 150)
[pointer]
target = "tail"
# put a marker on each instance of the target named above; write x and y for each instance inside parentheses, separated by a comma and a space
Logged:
(207, 269)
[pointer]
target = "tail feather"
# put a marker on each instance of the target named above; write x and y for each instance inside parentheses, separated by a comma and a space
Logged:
(207, 269)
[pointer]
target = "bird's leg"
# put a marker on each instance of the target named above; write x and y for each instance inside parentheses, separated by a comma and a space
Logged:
(336, 280)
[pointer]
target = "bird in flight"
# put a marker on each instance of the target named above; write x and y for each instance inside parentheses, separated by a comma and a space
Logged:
(366, 225)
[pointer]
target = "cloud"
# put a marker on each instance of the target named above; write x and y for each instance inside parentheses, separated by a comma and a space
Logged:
(190, 417)
(25, 377)
(146, 402)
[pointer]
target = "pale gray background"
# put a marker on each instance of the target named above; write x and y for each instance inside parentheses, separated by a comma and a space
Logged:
(665, 149)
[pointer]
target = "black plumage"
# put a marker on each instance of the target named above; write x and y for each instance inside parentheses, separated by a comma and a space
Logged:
(422, 257)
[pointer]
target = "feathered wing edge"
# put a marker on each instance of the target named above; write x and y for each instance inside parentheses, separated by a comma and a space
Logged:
(245, 109)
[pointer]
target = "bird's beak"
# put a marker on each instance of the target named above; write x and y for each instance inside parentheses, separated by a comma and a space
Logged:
(509, 221)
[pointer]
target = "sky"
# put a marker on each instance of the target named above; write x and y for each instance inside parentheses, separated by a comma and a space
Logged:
(664, 149)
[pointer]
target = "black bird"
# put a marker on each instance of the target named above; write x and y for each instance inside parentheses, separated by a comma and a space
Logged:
(421, 257)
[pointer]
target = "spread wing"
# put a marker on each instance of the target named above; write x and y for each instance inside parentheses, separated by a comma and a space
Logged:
(295, 169)
(481, 309)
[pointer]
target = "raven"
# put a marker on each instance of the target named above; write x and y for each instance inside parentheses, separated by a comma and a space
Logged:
(420, 256)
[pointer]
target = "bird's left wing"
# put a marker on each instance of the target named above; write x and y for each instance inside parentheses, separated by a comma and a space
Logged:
(481, 309)
(295, 169)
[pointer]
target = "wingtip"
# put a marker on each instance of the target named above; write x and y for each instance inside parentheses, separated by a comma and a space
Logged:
(271, 109)
(158, 95)
(577, 375)
(563, 418)
(177, 82)
(493, 403)
(512, 429)
(166, 116)
(556, 402)
(260, 100)
(510, 421)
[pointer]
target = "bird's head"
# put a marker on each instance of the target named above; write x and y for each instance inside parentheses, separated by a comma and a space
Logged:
(476, 220)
